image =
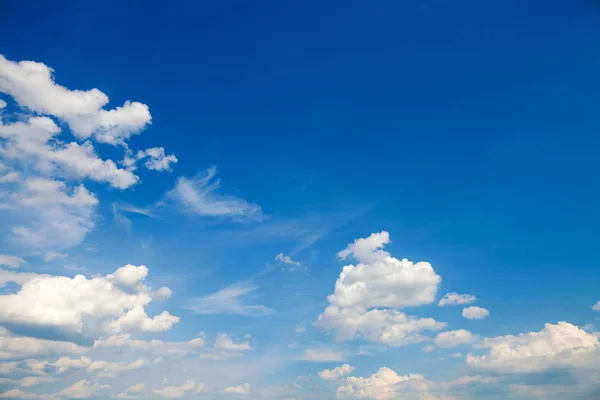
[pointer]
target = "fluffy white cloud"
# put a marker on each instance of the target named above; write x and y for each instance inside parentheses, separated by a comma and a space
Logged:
(229, 300)
(379, 280)
(32, 85)
(11, 261)
(560, 345)
(384, 326)
(34, 143)
(156, 159)
(224, 342)
(596, 307)
(336, 373)
(199, 196)
(244, 389)
(474, 312)
(385, 384)
(453, 299)
(80, 309)
(453, 338)
(286, 259)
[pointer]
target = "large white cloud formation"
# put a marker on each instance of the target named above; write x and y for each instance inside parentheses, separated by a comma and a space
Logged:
(380, 280)
(385, 384)
(80, 309)
(555, 346)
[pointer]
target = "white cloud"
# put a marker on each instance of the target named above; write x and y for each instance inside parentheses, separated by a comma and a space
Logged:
(229, 300)
(596, 307)
(336, 373)
(385, 384)
(474, 312)
(60, 217)
(390, 327)
(32, 86)
(163, 293)
(453, 338)
(429, 348)
(19, 347)
(379, 280)
(244, 389)
(560, 345)
(286, 259)
(2, 104)
(156, 159)
(34, 143)
(453, 299)
(224, 342)
(11, 261)
(198, 196)
(80, 309)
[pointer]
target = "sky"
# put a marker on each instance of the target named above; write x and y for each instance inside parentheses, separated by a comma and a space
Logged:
(299, 200)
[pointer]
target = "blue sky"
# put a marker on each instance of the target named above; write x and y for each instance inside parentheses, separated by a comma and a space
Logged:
(215, 200)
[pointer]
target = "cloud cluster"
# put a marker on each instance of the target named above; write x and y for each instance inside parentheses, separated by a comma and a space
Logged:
(336, 373)
(367, 296)
(85, 310)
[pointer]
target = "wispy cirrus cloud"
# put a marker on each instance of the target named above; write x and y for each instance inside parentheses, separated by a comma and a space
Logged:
(229, 300)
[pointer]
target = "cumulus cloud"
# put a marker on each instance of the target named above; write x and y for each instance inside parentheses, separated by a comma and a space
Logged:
(379, 280)
(125, 343)
(596, 307)
(336, 373)
(474, 312)
(156, 159)
(385, 384)
(80, 309)
(230, 300)
(20, 347)
(244, 389)
(560, 345)
(224, 342)
(32, 85)
(199, 196)
(453, 299)
(453, 338)
(11, 261)
(83, 389)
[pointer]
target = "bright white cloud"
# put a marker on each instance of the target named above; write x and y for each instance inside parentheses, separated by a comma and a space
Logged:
(224, 342)
(453, 338)
(32, 85)
(198, 196)
(230, 300)
(596, 307)
(244, 389)
(19, 347)
(385, 384)
(560, 345)
(80, 309)
(11, 261)
(475, 312)
(336, 373)
(286, 259)
(379, 280)
(156, 159)
(453, 299)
